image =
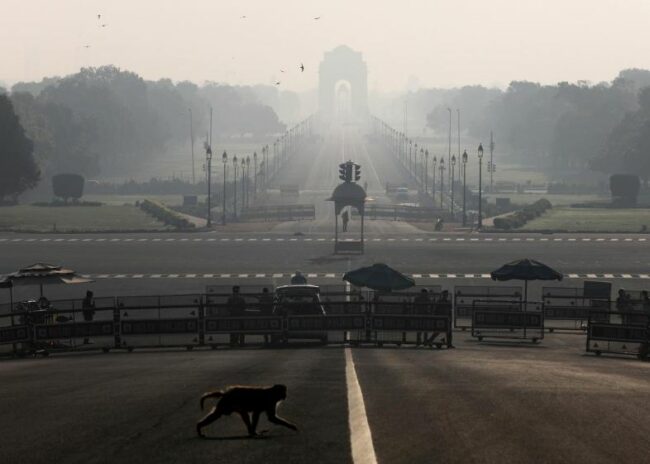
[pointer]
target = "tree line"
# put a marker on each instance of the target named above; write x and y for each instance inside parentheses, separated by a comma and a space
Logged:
(105, 121)
(562, 128)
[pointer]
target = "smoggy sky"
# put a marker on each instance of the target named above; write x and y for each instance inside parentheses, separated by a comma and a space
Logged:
(442, 42)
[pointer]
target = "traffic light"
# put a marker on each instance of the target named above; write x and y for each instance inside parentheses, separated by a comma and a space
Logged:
(357, 172)
(345, 173)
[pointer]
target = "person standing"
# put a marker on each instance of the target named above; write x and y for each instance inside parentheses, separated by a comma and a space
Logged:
(237, 308)
(345, 217)
(298, 279)
(88, 311)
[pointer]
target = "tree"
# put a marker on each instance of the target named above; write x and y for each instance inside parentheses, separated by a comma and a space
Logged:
(18, 170)
(68, 186)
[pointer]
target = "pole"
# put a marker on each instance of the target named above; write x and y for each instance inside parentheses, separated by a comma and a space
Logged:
(480, 194)
(458, 111)
(491, 161)
(192, 145)
(449, 154)
(209, 220)
(442, 182)
(464, 192)
(225, 167)
(451, 206)
(234, 210)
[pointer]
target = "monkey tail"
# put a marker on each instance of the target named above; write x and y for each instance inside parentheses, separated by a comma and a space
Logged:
(214, 394)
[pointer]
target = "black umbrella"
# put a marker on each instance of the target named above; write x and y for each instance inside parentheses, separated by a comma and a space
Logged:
(379, 277)
(525, 269)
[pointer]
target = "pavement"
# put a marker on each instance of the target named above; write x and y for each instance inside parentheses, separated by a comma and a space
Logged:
(482, 402)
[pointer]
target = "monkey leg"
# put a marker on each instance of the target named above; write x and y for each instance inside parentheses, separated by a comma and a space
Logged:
(272, 417)
(247, 421)
(256, 419)
(207, 420)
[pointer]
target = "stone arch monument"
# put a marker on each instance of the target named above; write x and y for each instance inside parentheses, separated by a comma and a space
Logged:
(343, 65)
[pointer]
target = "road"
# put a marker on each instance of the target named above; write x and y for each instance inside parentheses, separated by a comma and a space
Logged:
(480, 403)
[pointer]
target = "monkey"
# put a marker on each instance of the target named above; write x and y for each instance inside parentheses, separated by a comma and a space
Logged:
(244, 400)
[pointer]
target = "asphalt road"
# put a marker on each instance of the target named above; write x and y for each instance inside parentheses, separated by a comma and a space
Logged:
(482, 402)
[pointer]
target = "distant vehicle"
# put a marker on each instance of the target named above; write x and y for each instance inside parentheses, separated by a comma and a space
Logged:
(299, 300)
(402, 193)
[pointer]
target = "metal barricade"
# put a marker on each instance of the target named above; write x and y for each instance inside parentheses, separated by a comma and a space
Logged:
(153, 321)
(618, 333)
(567, 308)
(465, 296)
(502, 321)
(13, 333)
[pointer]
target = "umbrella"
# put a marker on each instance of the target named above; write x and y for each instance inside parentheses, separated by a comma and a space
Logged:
(43, 274)
(379, 277)
(525, 269)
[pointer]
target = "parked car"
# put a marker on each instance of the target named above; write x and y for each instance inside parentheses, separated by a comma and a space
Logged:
(300, 300)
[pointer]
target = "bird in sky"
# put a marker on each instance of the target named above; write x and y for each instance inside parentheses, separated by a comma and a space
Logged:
(99, 16)
(86, 46)
(104, 25)
(277, 83)
(243, 17)
(282, 70)
(302, 67)
(317, 18)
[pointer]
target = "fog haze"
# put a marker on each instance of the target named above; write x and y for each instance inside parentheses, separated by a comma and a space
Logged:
(442, 43)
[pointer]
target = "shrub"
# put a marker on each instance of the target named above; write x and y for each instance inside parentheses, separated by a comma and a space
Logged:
(521, 217)
(165, 215)
(68, 186)
(625, 189)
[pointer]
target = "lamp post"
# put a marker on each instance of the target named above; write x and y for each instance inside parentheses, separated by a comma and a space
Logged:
(426, 171)
(415, 163)
(442, 180)
(453, 165)
(480, 186)
(243, 183)
(254, 175)
(266, 168)
(421, 165)
(449, 154)
(248, 181)
(433, 181)
(464, 186)
(410, 151)
(208, 159)
(234, 209)
(224, 159)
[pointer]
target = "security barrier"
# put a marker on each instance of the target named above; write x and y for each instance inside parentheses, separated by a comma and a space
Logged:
(465, 298)
(619, 333)
(503, 322)
(569, 309)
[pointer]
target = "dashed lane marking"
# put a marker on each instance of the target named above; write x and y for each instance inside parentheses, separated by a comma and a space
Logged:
(339, 275)
(321, 239)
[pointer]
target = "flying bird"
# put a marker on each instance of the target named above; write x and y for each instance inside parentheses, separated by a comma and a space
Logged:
(86, 46)
(302, 67)
(243, 17)
(277, 83)
(104, 25)
(99, 16)
(317, 18)
(282, 70)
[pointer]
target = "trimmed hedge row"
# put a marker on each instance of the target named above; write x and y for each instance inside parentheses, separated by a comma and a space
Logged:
(521, 217)
(164, 214)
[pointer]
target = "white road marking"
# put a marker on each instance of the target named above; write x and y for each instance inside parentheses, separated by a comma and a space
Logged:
(363, 451)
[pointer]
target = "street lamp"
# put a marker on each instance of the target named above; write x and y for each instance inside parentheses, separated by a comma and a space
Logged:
(464, 186)
(234, 209)
(433, 181)
(410, 152)
(453, 164)
(243, 183)
(415, 163)
(248, 181)
(208, 159)
(480, 185)
(442, 180)
(426, 172)
(421, 165)
(224, 158)
(254, 175)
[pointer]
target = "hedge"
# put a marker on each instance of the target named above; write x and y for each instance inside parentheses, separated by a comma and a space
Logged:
(521, 217)
(166, 215)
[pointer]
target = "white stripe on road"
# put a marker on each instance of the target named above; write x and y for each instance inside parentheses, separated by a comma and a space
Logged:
(363, 451)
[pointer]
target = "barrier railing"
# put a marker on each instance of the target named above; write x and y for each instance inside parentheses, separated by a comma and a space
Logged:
(568, 309)
(465, 297)
(194, 320)
(497, 321)
(619, 333)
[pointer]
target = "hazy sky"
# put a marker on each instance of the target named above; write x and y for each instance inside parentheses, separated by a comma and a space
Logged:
(442, 42)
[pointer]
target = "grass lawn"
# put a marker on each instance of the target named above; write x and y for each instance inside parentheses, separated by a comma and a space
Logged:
(591, 220)
(120, 200)
(76, 218)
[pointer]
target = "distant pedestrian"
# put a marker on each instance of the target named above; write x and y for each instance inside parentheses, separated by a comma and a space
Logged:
(88, 310)
(237, 308)
(345, 217)
(266, 307)
(298, 279)
(421, 307)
